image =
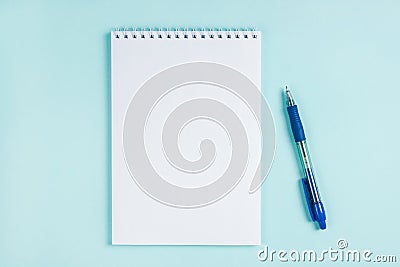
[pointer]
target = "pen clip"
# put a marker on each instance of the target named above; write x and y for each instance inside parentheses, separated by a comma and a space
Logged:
(307, 196)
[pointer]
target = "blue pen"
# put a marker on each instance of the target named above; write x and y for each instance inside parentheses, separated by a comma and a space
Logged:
(313, 199)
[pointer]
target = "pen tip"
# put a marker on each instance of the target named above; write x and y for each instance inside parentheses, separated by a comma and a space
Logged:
(289, 97)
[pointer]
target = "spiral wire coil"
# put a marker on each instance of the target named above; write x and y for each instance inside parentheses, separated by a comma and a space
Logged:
(184, 33)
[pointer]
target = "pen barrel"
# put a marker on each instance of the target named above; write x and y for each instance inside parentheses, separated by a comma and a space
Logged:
(312, 185)
(314, 203)
(308, 170)
(295, 123)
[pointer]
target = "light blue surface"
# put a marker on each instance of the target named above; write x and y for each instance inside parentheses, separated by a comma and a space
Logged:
(341, 58)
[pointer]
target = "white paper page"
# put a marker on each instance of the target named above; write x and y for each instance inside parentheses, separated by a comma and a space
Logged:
(166, 166)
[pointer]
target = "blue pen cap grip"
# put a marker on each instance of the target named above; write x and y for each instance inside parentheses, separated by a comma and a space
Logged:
(295, 123)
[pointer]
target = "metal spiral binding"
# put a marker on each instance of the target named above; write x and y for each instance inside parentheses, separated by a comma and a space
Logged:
(184, 33)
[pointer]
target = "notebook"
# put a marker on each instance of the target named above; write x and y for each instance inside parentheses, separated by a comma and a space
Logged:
(192, 137)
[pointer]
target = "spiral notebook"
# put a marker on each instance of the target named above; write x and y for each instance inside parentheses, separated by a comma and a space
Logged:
(188, 137)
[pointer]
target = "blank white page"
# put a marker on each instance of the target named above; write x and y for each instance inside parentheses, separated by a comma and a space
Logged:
(186, 142)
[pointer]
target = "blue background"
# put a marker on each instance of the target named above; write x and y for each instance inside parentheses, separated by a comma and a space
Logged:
(341, 58)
